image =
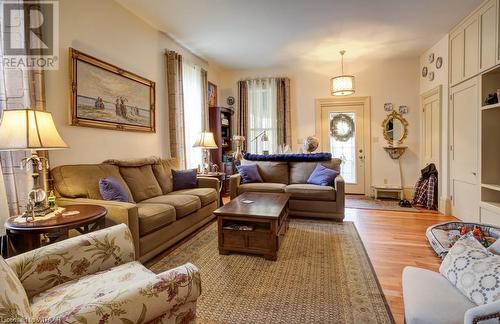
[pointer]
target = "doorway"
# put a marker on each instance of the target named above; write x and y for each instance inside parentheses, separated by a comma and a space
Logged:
(430, 148)
(343, 129)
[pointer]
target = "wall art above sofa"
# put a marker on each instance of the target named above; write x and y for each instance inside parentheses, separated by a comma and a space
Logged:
(106, 96)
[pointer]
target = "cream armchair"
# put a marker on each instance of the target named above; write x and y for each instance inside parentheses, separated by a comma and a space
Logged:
(94, 278)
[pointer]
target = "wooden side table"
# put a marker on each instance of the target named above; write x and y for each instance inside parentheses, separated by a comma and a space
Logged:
(23, 237)
(222, 179)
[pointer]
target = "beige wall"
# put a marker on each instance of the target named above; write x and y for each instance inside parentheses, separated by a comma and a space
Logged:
(440, 78)
(106, 30)
(393, 81)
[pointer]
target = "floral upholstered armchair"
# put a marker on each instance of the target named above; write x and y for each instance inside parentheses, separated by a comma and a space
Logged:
(94, 278)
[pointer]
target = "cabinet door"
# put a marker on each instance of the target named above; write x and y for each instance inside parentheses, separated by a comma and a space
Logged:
(488, 34)
(471, 47)
(464, 112)
(456, 57)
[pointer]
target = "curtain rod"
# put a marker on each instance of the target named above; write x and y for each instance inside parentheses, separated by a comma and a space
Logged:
(264, 78)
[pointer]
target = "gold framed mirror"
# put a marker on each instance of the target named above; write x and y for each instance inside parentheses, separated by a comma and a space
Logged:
(395, 128)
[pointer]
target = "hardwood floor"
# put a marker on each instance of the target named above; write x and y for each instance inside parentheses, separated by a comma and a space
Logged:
(393, 241)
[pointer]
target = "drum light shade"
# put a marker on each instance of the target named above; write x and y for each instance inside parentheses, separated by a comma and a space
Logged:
(342, 85)
(28, 129)
(205, 140)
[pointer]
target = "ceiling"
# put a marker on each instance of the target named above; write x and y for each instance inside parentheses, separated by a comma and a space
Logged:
(251, 34)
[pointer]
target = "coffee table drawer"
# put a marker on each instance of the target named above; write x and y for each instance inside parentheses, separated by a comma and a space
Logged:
(233, 239)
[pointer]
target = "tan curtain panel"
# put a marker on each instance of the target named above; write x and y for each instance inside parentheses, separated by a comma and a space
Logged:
(19, 88)
(243, 111)
(204, 96)
(283, 113)
(176, 107)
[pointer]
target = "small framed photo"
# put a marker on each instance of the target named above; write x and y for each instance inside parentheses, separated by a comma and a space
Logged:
(388, 106)
(403, 110)
(431, 76)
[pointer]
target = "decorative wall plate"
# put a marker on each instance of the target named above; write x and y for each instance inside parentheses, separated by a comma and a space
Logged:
(403, 109)
(388, 106)
(439, 62)
(230, 100)
(424, 71)
(431, 76)
(431, 58)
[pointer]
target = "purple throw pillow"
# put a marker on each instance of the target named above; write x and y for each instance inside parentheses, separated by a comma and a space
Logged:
(184, 179)
(112, 189)
(322, 176)
(249, 173)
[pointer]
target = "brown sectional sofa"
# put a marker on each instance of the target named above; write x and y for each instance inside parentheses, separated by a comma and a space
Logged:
(306, 200)
(157, 216)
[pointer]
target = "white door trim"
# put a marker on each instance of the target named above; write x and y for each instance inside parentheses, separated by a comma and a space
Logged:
(351, 101)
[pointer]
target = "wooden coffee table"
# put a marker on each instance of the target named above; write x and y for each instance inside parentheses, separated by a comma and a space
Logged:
(267, 214)
(23, 237)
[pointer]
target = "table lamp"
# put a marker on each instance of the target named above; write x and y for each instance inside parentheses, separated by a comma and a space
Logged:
(206, 141)
(28, 129)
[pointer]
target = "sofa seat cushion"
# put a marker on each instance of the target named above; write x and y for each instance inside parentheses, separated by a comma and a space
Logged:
(183, 204)
(310, 192)
(261, 187)
(206, 195)
(154, 216)
(431, 298)
(86, 290)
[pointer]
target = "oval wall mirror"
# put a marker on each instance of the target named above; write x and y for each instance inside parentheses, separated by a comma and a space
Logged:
(395, 128)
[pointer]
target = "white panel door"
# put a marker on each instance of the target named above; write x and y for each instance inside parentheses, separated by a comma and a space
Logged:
(471, 49)
(457, 57)
(431, 129)
(464, 109)
(352, 151)
(488, 34)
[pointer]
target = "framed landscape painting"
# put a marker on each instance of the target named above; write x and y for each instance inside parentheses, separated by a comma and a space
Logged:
(105, 96)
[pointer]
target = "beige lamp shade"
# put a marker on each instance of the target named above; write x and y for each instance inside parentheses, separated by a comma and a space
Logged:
(27, 129)
(205, 140)
(342, 85)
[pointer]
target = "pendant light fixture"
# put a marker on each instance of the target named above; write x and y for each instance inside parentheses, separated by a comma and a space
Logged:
(342, 85)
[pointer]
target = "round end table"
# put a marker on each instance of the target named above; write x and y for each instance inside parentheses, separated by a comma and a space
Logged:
(23, 237)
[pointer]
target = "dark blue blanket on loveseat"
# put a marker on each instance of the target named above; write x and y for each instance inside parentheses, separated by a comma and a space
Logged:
(312, 157)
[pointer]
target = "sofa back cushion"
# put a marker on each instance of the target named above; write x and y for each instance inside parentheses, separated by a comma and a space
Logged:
(276, 172)
(141, 181)
(82, 181)
(162, 170)
(301, 171)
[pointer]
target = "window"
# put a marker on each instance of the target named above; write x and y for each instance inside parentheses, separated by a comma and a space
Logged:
(193, 112)
(262, 115)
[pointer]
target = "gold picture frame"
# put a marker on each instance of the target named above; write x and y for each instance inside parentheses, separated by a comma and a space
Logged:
(106, 96)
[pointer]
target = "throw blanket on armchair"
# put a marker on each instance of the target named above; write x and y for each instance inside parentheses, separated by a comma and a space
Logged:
(311, 157)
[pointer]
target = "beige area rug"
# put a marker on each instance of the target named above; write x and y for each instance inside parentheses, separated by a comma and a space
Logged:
(365, 202)
(322, 275)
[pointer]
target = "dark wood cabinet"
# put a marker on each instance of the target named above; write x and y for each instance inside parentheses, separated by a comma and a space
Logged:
(220, 123)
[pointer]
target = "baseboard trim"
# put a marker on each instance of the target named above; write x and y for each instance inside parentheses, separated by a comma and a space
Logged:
(445, 205)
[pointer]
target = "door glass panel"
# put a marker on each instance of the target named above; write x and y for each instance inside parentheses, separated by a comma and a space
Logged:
(346, 151)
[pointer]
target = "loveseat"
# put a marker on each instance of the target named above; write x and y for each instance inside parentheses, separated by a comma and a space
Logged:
(307, 200)
(94, 278)
(157, 216)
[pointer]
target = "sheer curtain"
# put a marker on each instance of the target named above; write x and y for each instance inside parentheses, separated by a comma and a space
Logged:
(193, 112)
(262, 115)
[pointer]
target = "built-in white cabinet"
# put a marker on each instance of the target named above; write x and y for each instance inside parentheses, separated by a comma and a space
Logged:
(488, 16)
(473, 43)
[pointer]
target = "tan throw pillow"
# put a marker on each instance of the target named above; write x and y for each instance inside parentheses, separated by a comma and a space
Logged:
(473, 270)
(14, 304)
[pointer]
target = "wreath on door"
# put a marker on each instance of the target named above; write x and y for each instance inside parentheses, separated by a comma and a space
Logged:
(342, 127)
